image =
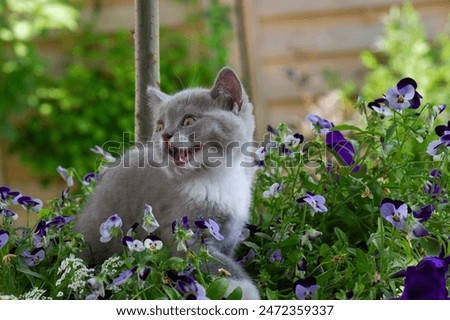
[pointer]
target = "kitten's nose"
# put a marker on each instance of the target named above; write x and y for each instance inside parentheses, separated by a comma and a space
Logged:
(166, 137)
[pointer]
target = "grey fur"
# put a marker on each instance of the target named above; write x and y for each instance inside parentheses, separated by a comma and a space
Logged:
(217, 190)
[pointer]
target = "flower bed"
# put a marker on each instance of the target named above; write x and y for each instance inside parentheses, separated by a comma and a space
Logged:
(358, 212)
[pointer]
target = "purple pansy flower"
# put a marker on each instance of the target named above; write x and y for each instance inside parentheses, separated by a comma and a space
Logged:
(315, 201)
(8, 214)
(424, 213)
(426, 280)
(98, 288)
(381, 106)
(276, 256)
(124, 276)
(142, 276)
(8, 196)
(273, 190)
(336, 141)
(4, 237)
(66, 175)
(191, 289)
(59, 221)
(28, 203)
(302, 264)
(293, 140)
(443, 131)
(394, 211)
(133, 244)
(150, 223)
(34, 257)
(182, 233)
(305, 289)
(249, 256)
(106, 155)
(89, 178)
(110, 228)
(310, 236)
(212, 227)
(39, 234)
(260, 158)
(319, 125)
(404, 95)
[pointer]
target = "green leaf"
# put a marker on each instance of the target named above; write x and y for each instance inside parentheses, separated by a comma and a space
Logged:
(217, 289)
(271, 295)
(251, 245)
(346, 127)
(171, 293)
(26, 270)
(236, 294)
(342, 237)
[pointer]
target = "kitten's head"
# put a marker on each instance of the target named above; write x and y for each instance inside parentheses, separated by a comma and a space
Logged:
(201, 128)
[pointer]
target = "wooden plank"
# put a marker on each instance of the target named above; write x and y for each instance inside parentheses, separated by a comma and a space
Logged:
(321, 36)
(276, 8)
(121, 16)
(278, 86)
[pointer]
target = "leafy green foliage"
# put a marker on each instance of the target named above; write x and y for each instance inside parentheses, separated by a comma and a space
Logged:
(406, 51)
(95, 97)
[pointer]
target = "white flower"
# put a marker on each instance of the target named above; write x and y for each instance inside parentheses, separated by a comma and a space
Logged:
(150, 223)
(110, 226)
(153, 244)
(273, 190)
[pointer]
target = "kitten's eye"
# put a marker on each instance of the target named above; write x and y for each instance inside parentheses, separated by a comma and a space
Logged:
(159, 126)
(188, 121)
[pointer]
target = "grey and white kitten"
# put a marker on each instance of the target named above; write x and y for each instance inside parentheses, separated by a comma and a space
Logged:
(195, 165)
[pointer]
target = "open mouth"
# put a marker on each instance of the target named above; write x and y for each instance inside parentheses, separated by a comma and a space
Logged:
(181, 156)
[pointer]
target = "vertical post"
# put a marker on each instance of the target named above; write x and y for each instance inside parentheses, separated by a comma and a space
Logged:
(146, 41)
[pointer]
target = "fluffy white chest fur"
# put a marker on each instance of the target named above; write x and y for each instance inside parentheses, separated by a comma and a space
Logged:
(229, 189)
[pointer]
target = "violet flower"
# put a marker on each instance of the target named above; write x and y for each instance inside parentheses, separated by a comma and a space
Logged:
(273, 190)
(142, 276)
(315, 201)
(4, 237)
(381, 106)
(7, 196)
(124, 276)
(28, 203)
(34, 257)
(404, 95)
(8, 214)
(443, 131)
(424, 213)
(294, 140)
(105, 155)
(394, 211)
(89, 178)
(98, 288)
(336, 141)
(66, 175)
(260, 158)
(183, 234)
(153, 243)
(150, 223)
(319, 125)
(191, 289)
(132, 244)
(276, 256)
(426, 280)
(59, 221)
(305, 289)
(212, 227)
(110, 228)
(40, 234)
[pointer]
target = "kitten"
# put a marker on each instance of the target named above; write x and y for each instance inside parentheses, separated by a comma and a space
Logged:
(195, 165)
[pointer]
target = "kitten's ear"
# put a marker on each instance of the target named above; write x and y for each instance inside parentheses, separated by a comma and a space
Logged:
(156, 96)
(228, 86)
